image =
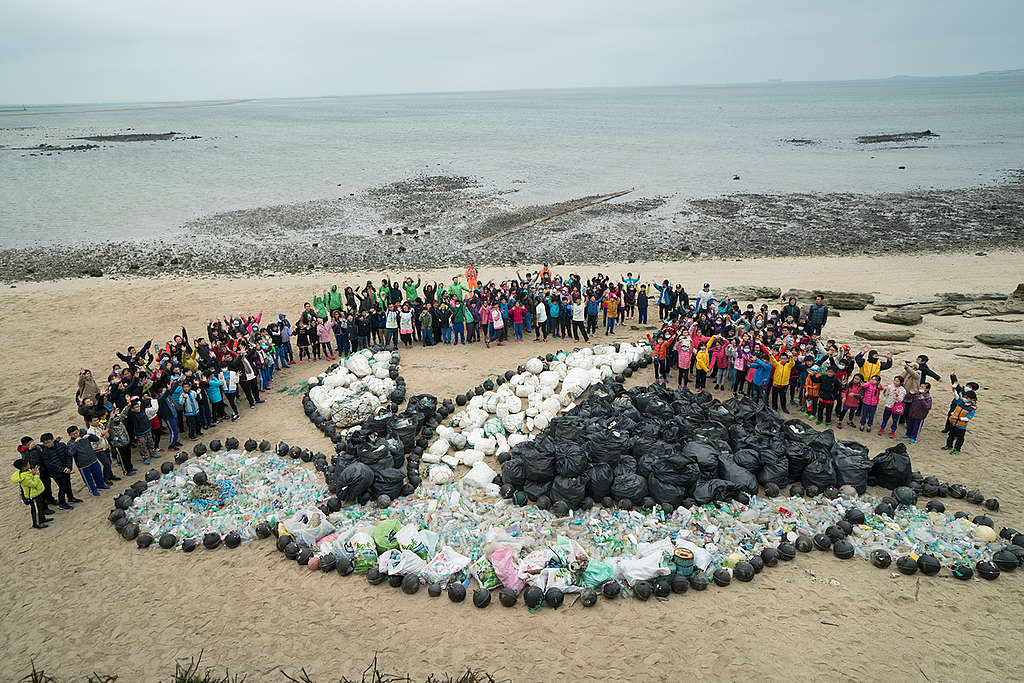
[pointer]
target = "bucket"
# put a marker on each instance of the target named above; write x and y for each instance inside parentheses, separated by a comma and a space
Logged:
(684, 561)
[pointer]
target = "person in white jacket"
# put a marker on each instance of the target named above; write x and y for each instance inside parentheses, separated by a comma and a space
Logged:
(229, 387)
(542, 318)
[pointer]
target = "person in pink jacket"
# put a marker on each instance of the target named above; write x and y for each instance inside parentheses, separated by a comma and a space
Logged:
(684, 357)
(719, 366)
(869, 402)
(324, 334)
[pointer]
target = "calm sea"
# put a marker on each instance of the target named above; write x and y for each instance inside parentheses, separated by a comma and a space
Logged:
(549, 145)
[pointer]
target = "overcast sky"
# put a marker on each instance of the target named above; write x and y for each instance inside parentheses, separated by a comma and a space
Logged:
(114, 51)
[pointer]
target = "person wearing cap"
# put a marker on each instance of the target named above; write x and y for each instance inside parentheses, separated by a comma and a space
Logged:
(704, 298)
(956, 423)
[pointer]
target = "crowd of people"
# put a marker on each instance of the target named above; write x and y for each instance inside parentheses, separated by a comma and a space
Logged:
(183, 387)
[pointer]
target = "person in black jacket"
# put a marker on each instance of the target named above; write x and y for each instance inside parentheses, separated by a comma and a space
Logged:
(791, 310)
(59, 463)
(828, 393)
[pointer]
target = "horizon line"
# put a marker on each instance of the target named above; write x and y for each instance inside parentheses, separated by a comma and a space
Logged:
(128, 105)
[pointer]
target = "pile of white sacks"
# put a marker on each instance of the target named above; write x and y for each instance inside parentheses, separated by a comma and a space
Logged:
(519, 410)
(351, 393)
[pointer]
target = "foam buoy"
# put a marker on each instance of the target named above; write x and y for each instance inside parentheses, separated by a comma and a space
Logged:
(803, 544)
(168, 541)
(905, 495)
(757, 563)
(907, 565)
(880, 558)
(770, 557)
(456, 592)
(743, 571)
(964, 572)
(434, 590)
(786, 551)
(188, 545)
(328, 562)
(263, 530)
(344, 566)
(771, 489)
(935, 506)
(722, 577)
(698, 581)
(992, 504)
(1005, 560)
(987, 571)
(375, 576)
(822, 541)
(662, 587)
(410, 584)
(481, 598)
(843, 549)
(609, 589)
(507, 597)
(854, 516)
(211, 540)
(200, 478)
(679, 583)
(588, 597)
(144, 540)
(642, 590)
(233, 539)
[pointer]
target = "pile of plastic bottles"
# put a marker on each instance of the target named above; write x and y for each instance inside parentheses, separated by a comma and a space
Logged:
(253, 486)
(728, 532)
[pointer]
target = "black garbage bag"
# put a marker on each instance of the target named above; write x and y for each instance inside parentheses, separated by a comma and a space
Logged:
(819, 472)
(797, 430)
(599, 480)
(676, 431)
(537, 465)
(891, 468)
(397, 451)
(570, 459)
(424, 404)
(354, 481)
(748, 459)
(631, 486)
(665, 487)
(851, 468)
(706, 456)
(797, 456)
(572, 490)
(658, 409)
(739, 437)
(404, 429)
(711, 491)
(733, 472)
(513, 473)
(774, 468)
(376, 455)
(387, 482)
(677, 468)
(627, 465)
(605, 445)
(822, 441)
(536, 489)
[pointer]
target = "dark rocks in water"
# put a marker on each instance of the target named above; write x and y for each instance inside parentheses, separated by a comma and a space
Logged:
(895, 137)
(802, 141)
(884, 335)
(132, 137)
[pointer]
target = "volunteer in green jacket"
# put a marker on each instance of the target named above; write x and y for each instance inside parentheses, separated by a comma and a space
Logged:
(335, 299)
(457, 288)
(460, 317)
(412, 291)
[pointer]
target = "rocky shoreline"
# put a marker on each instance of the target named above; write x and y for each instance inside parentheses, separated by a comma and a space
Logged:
(440, 221)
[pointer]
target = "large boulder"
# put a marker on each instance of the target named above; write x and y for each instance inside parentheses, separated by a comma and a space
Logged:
(898, 317)
(1018, 293)
(884, 335)
(847, 301)
(748, 292)
(1002, 340)
(919, 301)
(981, 296)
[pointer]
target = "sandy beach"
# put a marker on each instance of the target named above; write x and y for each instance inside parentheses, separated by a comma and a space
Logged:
(80, 599)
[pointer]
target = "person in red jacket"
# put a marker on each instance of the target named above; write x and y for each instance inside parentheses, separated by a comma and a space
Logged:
(851, 400)
(660, 344)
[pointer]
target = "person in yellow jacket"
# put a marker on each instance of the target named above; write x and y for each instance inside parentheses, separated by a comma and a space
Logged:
(702, 363)
(782, 366)
(32, 488)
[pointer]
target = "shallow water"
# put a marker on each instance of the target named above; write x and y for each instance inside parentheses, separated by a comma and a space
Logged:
(548, 145)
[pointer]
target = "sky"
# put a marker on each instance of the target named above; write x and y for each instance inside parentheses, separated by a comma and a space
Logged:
(114, 51)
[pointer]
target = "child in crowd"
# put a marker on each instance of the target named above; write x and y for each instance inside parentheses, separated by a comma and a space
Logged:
(869, 397)
(894, 393)
(851, 400)
(918, 410)
(829, 391)
(31, 486)
(811, 391)
(958, 419)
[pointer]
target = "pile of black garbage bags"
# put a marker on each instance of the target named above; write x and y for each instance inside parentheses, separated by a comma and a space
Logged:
(672, 447)
(380, 461)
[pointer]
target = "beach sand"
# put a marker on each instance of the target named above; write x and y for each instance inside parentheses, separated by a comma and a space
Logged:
(79, 599)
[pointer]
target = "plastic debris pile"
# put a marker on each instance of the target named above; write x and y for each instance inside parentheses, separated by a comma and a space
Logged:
(453, 538)
(217, 493)
(350, 392)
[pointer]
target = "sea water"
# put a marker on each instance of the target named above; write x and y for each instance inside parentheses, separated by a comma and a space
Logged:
(547, 145)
